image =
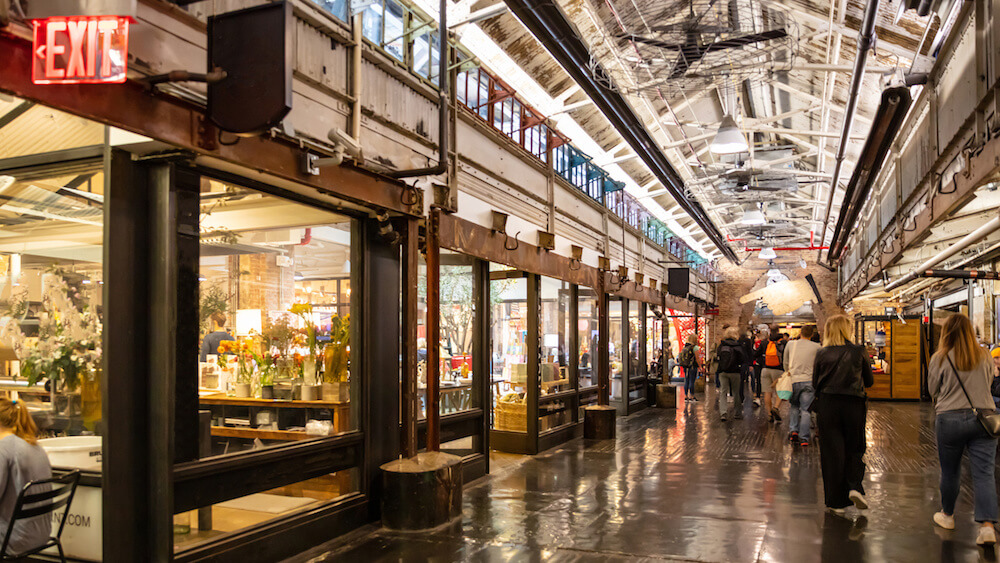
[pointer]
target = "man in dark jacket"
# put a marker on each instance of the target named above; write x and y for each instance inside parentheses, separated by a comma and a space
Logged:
(730, 373)
(746, 343)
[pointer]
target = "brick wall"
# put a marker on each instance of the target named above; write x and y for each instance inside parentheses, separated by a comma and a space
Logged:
(752, 274)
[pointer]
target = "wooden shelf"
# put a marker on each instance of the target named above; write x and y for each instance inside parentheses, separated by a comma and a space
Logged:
(252, 433)
(222, 399)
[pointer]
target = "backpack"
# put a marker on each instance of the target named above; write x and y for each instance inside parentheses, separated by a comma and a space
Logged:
(772, 358)
(726, 356)
(686, 357)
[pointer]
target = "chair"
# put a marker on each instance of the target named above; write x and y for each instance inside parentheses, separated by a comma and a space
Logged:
(30, 505)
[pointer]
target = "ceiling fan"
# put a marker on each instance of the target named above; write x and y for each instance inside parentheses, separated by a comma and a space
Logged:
(711, 35)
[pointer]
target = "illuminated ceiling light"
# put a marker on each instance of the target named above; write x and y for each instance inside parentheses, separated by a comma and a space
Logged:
(767, 253)
(773, 273)
(753, 217)
(729, 139)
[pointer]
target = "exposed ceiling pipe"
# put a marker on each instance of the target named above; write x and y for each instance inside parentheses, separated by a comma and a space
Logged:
(443, 106)
(866, 38)
(549, 25)
(891, 112)
(975, 236)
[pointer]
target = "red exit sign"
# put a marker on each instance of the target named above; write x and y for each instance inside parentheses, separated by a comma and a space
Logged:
(80, 50)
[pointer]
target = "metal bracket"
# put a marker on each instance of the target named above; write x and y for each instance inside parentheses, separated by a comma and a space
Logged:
(311, 163)
(206, 134)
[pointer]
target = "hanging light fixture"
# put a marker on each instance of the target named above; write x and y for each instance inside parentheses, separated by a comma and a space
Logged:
(767, 253)
(773, 273)
(729, 139)
(753, 216)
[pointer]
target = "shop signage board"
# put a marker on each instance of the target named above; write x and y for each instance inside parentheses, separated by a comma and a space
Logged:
(80, 50)
(714, 311)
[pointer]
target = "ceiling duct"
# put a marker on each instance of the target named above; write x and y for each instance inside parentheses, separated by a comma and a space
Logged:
(888, 119)
(546, 21)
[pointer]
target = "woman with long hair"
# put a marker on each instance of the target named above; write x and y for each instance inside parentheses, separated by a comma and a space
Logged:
(21, 460)
(960, 361)
(840, 375)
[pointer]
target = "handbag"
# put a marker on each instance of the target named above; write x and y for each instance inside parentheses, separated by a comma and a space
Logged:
(784, 386)
(989, 420)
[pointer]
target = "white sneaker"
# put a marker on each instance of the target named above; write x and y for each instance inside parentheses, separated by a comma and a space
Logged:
(987, 535)
(842, 512)
(858, 499)
(945, 521)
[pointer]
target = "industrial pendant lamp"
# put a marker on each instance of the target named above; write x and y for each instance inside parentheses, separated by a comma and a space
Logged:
(729, 139)
(767, 253)
(753, 217)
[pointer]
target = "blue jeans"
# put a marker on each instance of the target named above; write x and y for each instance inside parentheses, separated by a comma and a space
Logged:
(799, 419)
(957, 432)
(690, 374)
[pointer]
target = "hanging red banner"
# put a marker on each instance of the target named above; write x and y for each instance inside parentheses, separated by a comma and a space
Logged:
(80, 50)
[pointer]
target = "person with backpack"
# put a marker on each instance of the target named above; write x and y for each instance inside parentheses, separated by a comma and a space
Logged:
(799, 357)
(730, 373)
(771, 351)
(688, 360)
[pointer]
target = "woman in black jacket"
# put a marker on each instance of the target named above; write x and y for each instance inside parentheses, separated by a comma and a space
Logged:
(840, 375)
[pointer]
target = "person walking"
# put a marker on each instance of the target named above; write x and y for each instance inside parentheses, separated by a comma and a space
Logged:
(841, 373)
(959, 378)
(770, 352)
(730, 374)
(746, 344)
(688, 360)
(799, 358)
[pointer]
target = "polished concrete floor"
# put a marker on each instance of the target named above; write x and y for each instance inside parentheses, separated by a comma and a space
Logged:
(678, 485)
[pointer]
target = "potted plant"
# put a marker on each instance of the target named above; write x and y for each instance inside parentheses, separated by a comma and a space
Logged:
(336, 360)
(244, 372)
(67, 351)
(267, 366)
(311, 390)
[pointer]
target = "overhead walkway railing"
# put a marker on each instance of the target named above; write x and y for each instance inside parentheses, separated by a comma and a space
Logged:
(403, 34)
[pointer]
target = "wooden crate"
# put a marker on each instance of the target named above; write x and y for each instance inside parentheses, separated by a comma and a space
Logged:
(511, 417)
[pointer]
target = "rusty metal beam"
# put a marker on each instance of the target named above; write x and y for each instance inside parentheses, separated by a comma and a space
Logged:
(433, 259)
(131, 107)
(409, 406)
(981, 167)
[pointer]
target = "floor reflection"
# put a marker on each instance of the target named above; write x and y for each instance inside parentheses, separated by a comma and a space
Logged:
(679, 485)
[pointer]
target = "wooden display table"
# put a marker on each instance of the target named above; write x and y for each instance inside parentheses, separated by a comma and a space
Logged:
(287, 414)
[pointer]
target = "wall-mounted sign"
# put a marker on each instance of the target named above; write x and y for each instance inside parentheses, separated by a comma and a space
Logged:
(80, 50)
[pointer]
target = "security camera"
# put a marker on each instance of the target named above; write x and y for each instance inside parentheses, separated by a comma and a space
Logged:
(349, 144)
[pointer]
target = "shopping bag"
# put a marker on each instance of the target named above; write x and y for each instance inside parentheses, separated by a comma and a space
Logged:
(784, 386)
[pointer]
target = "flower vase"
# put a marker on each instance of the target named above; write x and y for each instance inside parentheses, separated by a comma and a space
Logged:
(243, 390)
(90, 397)
(267, 391)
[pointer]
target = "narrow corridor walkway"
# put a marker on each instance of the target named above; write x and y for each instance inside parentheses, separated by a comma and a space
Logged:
(680, 485)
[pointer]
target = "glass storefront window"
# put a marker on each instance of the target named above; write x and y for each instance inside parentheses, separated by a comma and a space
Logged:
(457, 334)
(636, 343)
(275, 285)
(509, 350)
(555, 331)
(616, 341)
(554, 335)
(51, 302)
(587, 331)
(654, 343)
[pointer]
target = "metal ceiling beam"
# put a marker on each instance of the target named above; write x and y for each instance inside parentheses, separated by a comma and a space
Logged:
(546, 21)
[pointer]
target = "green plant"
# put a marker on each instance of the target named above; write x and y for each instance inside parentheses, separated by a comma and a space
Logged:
(336, 354)
(213, 300)
(69, 335)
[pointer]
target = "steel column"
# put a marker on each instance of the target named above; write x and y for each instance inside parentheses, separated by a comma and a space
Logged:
(433, 261)
(410, 400)
(603, 361)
